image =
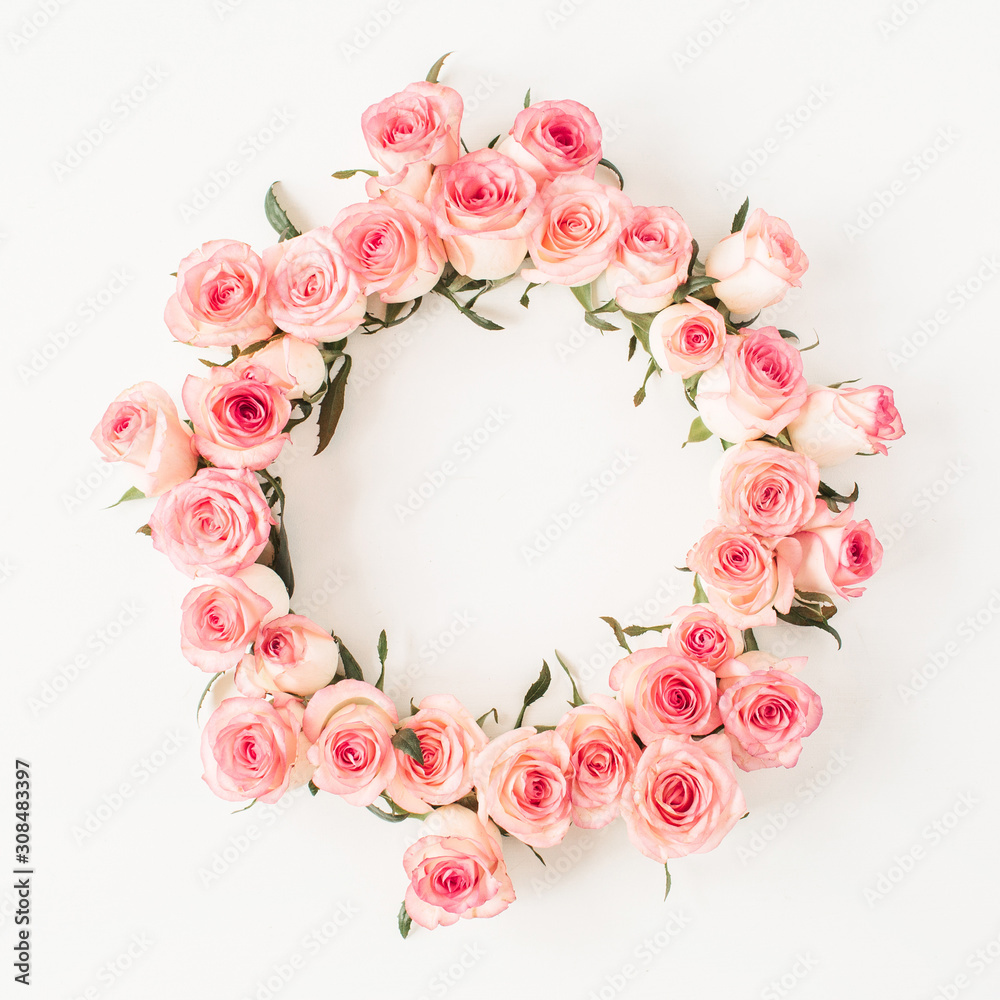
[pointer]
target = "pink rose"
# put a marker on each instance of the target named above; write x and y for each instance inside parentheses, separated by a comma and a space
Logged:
(651, 260)
(553, 138)
(484, 207)
(603, 756)
(767, 490)
(449, 739)
(835, 424)
(216, 522)
(523, 782)
(248, 749)
(350, 726)
(238, 421)
(665, 694)
(577, 235)
(743, 577)
(756, 389)
(391, 244)
(456, 870)
(766, 711)
(220, 297)
(220, 617)
(700, 634)
(756, 265)
(311, 292)
(291, 655)
(142, 427)
(688, 337)
(294, 366)
(411, 131)
(684, 797)
(834, 553)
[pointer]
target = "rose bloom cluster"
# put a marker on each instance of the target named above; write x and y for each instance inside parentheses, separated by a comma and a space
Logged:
(663, 753)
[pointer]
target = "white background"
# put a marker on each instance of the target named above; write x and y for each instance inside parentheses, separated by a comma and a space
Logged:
(870, 870)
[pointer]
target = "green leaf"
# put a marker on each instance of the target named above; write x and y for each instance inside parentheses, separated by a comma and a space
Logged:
(691, 387)
(343, 175)
(406, 741)
(432, 77)
(277, 218)
(393, 817)
(614, 170)
(584, 296)
(698, 432)
(749, 641)
(486, 715)
(741, 216)
(666, 869)
(632, 344)
(130, 494)
(592, 319)
(527, 97)
(352, 668)
(696, 284)
(700, 597)
(634, 630)
(383, 650)
(524, 298)
(493, 142)
(144, 530)
(849, 381)
(788, 335)
(800, 615)
(619, 632)
(577, 698)
(481, 321)
(404, 921)
(204, 694)
(641, 393)
(313, 788)
(333, 405)
(533, 851)
(535, 692)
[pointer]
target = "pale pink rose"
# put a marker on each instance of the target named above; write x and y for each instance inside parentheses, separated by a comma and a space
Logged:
(484, 207)
(450, 739)
(238, 421)
(248, 749)
(766, 711)
(756, 389)
(216, 522)
(220, 298)
(303, 770)
(651, 260)
(523, 782)
(665, 694)
(553, 138)
(220, 616)
(291, 655)
(350, 726)
(296, 367)
(684, 797)
(456, 870)
(756, 265)
(311, 292)
(603, 755)
(744, 578)
(688, 337)
(834, 554)
(700, 634)
(392, 245)
(766, 489)
(141, 427)
(577, 235)
(835, 424)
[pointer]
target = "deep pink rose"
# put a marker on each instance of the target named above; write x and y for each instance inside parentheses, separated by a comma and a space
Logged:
(665, 694)
(700, 634)
(311, 292)
(449, 739)
(688, 337)
(220, 297)
(767, 490)
(767, 712)
(756, 265)
(456, 870)
(603, 755)
(216, 522)
(523, 782)
(651, 260)
(744, 578)
(350, 726)
(238, 421)
(220, 616)
(835, 424)
(553, 138)
(291, 655)
(291, 364)
(484, 207)
(577, 235)
(141, 427)
(248, 749)
(756, 389)
(684, 797)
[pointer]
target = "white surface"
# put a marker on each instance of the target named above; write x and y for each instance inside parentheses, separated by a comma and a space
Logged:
(876, 775)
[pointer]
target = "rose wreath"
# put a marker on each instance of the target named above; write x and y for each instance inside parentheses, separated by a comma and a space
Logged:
(661, 754)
